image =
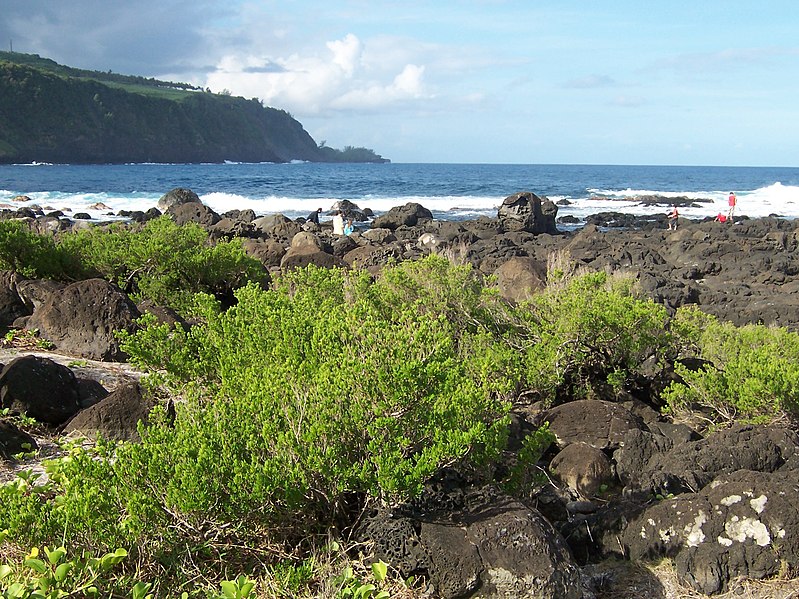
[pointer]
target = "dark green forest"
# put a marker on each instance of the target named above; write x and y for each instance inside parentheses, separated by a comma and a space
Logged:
(53, 113)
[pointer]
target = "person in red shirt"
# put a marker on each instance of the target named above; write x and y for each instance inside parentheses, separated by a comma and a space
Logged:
(673, 216)
(732, 201)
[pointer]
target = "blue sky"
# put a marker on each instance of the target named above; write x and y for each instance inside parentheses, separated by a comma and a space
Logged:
(705, 82)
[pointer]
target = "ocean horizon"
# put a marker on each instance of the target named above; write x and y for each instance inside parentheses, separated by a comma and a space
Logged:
(451, 191)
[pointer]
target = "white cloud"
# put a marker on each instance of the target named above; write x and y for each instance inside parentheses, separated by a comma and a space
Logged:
(407, 85)
(346, 53)
(311, 84)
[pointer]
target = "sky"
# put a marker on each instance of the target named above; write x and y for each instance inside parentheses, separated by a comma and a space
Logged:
(698, 82)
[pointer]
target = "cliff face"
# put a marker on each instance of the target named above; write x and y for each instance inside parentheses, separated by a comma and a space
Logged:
(57, 114)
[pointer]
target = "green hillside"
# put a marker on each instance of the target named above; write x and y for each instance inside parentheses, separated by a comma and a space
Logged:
(54, 113)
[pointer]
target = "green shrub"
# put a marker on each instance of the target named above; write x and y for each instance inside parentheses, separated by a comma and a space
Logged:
(33, 255)
(296, 396)
(164, 262)
(752, 372)
(588, 330)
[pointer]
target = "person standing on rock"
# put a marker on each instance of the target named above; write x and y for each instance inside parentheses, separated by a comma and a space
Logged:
(673, 216)
(313, 217)
(732, 202)
(338, 223)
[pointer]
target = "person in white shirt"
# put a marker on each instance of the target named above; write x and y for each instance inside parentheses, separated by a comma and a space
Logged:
(338, 223)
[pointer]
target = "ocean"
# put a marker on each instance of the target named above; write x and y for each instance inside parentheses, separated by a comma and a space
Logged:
(450, 191)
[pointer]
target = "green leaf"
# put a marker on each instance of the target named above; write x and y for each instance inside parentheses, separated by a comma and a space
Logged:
(109, 560)
(5, 570)
(62, 570)
(16, 590)
(56, 555)
(380, 570)
(36, 564)
(229, 589)
(140, 589)
(364, 591)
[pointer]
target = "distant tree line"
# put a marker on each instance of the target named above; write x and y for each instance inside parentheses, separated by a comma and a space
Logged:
(349, 154)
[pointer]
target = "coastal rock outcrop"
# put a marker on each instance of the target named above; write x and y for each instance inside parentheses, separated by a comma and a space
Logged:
(690, 466)
(525, 211)
(409, 215)
(194, 212)
(177, 197)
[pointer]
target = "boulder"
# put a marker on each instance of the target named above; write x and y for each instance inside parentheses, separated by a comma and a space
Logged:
(379, 235)
(306, 248)
(583, 468)
(305, 241)
(635, 452)
(394, 540)
(409, 215)
(277, 226)
(743, 525)
(36, 292)
(350, 210)
(689, 467)
(344, 243)
(269, 251)
(599, 423)
(137, 216)
(82, 319)
(372, 257)
(497, 549)
(177, 197)
(520, 277)
(525, 211)
(50, 224)
(14, 441)
(40, 388)
(194, 212)
(228, 228)
(429, 242)
(11, 304)
(246, 216)
(115, 417)
(90, 391)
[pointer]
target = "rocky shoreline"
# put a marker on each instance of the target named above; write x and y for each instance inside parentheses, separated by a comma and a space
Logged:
(627, 485)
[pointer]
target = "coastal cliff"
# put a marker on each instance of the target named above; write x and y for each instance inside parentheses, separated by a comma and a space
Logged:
(53, 113)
